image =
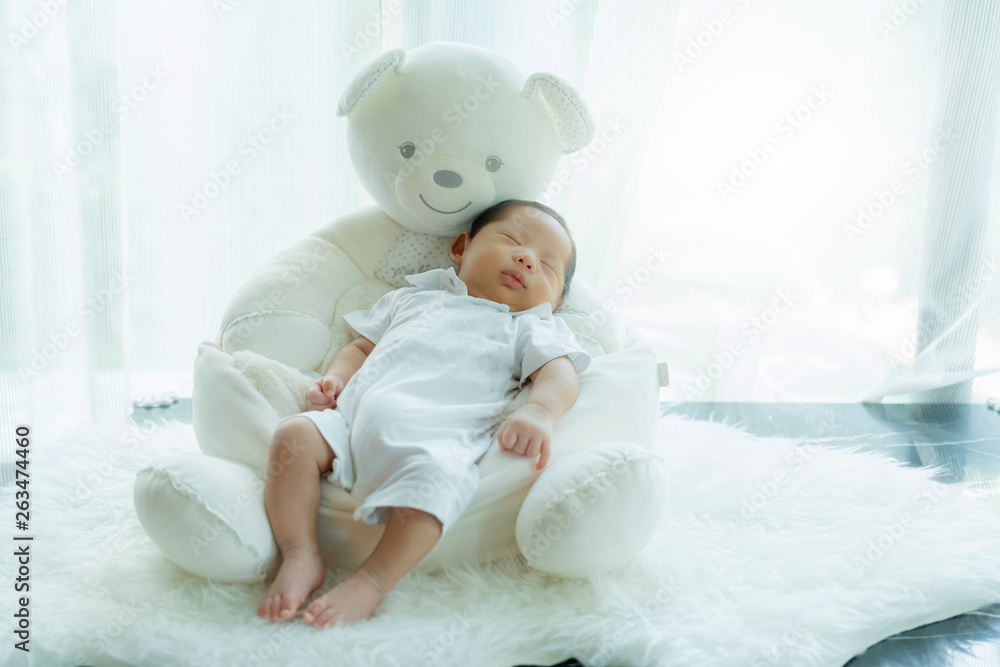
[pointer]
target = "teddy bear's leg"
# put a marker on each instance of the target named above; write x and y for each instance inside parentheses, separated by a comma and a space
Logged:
(231, 419)
(207, 515)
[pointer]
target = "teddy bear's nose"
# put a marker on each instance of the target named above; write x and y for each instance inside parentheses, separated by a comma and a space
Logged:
(447, 179)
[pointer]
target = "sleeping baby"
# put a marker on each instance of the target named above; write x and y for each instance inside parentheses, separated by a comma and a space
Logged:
(405, 412)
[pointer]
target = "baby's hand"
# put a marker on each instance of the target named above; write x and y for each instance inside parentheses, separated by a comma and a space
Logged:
(323, 393)
(528, 431)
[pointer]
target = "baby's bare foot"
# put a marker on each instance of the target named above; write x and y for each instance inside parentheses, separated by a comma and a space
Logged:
(301, 573)
(353, 599)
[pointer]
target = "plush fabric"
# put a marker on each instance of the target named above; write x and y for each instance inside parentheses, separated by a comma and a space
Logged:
(179, 495)
(560, 518)
(455, 106)
(477, 131)
(747, 567)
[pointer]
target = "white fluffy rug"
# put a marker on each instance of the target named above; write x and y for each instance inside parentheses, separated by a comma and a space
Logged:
(773, 552)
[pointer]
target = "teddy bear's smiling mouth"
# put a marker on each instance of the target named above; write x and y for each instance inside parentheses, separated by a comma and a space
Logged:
(440, 211)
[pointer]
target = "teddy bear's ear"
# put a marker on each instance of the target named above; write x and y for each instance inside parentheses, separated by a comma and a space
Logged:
(569, 113)
(371, 75)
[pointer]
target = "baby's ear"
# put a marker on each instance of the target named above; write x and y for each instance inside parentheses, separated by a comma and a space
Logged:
(458, 248)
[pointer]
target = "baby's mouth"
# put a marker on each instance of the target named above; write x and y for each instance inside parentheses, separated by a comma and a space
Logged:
(514, 279)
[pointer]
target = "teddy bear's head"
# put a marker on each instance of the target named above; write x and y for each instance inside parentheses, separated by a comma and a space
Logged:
(442, 132)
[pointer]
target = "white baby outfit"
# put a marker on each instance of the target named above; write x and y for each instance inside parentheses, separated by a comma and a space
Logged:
(413, 422)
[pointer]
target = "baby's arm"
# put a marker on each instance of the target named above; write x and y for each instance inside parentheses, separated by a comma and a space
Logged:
(554, 389)
(324, 392)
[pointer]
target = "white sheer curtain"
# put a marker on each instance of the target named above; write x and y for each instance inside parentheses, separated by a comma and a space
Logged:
(737, 206)
(153, 155)
(822, 177)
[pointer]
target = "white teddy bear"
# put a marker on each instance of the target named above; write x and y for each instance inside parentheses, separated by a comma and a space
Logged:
(436, 135)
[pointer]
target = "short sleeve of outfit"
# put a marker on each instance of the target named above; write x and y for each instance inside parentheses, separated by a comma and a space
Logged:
(540, 341)
(372, 323)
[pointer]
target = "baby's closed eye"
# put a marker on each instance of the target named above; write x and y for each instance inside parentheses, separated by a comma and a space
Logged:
(544, 263)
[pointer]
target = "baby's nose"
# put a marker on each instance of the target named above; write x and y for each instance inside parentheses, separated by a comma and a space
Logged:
(528, 263)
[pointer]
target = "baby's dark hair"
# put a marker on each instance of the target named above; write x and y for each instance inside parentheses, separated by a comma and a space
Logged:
(495, 212)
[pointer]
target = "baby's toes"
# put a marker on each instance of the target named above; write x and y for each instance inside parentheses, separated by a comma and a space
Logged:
(286, 607)
(327, 618)
(317, 607)
(264, 608)
(278, 606)
(268, 608)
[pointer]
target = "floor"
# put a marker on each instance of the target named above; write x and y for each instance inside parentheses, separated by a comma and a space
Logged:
(963, 438)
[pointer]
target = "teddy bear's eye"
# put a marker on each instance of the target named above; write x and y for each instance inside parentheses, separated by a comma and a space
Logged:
(493, 163)
(406, 149)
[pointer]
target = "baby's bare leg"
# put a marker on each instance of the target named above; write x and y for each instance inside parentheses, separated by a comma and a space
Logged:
(409, 535)
(299, 456)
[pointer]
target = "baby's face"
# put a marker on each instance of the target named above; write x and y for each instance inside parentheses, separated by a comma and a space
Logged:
(525, 243)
